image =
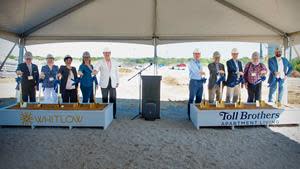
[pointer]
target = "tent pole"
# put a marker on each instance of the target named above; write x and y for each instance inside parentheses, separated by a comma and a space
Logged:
(2, 64)
(21, 50)
(261, 51)
(286, 44)
(154, 37)
(290, 53)
(155, 55)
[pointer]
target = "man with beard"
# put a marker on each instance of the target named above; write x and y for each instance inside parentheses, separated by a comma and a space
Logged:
(279, 68)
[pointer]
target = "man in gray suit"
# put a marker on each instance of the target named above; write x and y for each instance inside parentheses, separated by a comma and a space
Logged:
(216, 70)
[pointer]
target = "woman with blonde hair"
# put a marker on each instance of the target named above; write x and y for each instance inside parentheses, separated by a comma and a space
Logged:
(88, 77)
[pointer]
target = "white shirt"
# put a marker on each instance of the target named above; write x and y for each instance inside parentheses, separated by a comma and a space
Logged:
(69, 85)
(280, 67)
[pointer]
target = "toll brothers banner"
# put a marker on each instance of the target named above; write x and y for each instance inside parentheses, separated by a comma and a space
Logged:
(238, 117)
(73, 118)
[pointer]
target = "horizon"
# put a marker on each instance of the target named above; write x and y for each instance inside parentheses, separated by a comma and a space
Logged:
(132, 50)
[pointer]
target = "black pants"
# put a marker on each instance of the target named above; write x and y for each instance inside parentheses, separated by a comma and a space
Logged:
(28, 91)
(69, 96)
(112, 96)
(254, 92)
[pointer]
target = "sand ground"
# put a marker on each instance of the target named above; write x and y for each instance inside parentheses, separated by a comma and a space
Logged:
(171, 142)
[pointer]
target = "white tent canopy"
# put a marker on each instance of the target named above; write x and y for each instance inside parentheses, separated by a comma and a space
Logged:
(44, 21)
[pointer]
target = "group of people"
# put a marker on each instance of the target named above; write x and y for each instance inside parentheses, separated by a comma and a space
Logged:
(251, 77)
(68, 79)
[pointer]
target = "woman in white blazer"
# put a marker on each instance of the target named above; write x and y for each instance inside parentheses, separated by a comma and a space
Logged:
(109, 79)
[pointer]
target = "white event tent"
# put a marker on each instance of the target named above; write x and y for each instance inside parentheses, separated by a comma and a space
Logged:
(28, 22)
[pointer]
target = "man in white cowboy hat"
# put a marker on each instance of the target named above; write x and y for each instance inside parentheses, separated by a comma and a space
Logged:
(109, 79)
(196, 74)
(30, 78)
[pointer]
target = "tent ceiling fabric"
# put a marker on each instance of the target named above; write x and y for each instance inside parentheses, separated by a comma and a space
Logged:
(134, 20)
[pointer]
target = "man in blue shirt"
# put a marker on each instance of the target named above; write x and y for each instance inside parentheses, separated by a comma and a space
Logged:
(196, 74)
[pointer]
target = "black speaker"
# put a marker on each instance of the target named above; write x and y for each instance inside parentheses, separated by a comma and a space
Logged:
(151, 95)
(150, 111)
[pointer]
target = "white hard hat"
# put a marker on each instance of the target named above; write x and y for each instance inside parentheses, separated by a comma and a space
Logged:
(106, 49)
(216, 54)
(28, 55)
(234, 50)
(196, 50)
(49, 56)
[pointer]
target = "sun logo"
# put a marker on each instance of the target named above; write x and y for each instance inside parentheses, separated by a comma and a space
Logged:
(26, 118)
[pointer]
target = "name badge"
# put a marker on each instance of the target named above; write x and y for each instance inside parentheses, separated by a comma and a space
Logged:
(51, 79)
(253, 74)
(30, 77)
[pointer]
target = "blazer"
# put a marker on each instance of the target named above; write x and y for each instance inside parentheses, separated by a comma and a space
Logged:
(49, 74)
(232, 69)
(87, 79)
(213, 74)
(64, 71)
(273, 67)
(105, 74)
(35, 74)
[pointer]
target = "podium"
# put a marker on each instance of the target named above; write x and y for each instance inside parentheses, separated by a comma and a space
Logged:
(151, 97)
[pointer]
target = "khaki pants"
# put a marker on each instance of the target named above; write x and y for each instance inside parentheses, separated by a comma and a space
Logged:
(215, 91)
(232, 93)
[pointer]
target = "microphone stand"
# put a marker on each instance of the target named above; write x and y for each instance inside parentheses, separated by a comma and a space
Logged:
(140, 89)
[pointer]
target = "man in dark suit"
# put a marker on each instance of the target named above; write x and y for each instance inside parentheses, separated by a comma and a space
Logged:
(235, 72)
(216, 71)
(69, 81)
(30, 78)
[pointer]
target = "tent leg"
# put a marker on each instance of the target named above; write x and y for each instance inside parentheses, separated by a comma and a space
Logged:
(290, 54)
(2, 64)
(155, 55)
(286, 45)
(21, 50)
(261, 51)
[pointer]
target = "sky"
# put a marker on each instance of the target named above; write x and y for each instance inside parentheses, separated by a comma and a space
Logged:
(121, 50)
(125, 50)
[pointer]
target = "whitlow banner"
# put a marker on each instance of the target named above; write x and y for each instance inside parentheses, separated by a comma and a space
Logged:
(69, 118)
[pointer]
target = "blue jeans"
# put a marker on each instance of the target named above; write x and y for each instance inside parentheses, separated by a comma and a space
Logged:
(273, 89)
(196, 90)
(87, 94)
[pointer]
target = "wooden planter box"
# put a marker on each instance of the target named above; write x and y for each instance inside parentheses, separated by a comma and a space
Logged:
(67, 115)
(248, 115)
